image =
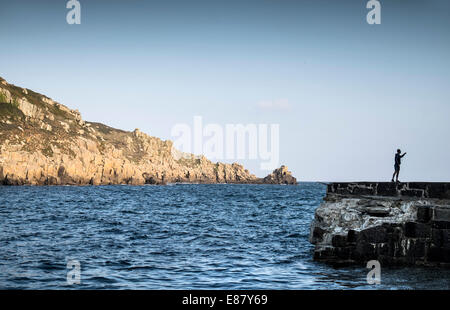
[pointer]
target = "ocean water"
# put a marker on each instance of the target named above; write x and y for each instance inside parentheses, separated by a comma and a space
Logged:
(175, 237)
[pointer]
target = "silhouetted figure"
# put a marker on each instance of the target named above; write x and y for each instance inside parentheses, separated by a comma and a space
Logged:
(398, 162)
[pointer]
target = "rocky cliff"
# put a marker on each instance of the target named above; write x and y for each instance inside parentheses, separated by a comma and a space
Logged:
(396, 224)
(42, 142)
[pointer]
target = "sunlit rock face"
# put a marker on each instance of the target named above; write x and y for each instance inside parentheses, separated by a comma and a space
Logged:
(43, 142)
(280, 176)
(396, 224)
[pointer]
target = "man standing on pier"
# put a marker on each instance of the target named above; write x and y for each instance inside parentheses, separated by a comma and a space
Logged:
(398, 162)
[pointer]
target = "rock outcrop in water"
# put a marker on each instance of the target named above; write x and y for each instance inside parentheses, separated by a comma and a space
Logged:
(396, 224)
(43, 142)
(280, 176)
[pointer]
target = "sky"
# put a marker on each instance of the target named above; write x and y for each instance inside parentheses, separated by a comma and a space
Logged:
(345, 94)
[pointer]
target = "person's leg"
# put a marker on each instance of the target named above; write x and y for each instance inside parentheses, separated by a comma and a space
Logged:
(393, 176)
(398, 172)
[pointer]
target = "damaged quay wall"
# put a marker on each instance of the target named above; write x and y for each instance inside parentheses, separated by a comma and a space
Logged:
(394, 223)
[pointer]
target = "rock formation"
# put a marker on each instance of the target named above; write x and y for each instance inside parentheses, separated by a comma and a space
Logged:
(42, 142)
(280, 176)
(396, 224)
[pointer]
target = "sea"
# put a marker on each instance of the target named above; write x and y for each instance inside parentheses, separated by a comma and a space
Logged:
(183, 236)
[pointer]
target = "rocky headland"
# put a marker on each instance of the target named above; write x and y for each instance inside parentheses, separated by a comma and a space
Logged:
(396, 224)
(43, 142)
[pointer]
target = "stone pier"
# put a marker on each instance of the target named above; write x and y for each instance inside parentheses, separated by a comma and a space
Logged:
(396, 224)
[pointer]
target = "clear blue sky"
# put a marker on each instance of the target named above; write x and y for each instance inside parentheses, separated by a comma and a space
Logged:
(352, 92)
